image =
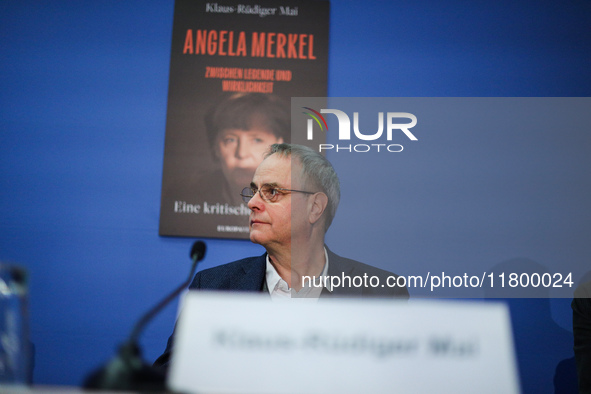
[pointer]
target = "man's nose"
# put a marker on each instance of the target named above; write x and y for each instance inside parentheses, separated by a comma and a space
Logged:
(256, 202)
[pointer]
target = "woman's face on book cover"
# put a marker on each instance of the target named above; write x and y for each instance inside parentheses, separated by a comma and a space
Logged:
(241, 151)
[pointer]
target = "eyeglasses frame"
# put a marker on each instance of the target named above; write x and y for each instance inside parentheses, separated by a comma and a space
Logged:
(250, 189)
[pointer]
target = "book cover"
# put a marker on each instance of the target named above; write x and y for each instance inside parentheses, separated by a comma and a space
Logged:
(234, 67)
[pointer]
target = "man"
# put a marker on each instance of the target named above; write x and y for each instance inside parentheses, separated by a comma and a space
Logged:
(293, 198)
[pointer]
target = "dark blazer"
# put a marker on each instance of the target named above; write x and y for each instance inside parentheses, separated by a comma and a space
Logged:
(581, 306)
(249, 275)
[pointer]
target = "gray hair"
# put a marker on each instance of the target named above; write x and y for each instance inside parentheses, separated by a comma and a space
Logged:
(317, 171)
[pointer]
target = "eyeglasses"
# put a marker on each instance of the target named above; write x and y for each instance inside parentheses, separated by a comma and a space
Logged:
(267, 192)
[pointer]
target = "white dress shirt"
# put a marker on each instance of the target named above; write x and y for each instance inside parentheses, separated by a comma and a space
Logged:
(278, 288)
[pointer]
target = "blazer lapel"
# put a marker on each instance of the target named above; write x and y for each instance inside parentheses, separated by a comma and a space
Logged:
(339, 267)
(252, 277)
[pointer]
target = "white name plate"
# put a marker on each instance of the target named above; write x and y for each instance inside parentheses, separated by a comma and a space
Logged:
(245, 343)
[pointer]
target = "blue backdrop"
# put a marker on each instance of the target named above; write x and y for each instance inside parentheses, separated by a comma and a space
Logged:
(82, 112)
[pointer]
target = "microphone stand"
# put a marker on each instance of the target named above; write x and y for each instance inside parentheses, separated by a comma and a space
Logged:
(127, 371)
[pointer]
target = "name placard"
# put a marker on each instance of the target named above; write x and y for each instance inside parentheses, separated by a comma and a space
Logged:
(237, 343)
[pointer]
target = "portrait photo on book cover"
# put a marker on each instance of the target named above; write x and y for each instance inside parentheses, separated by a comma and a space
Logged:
(238, 128)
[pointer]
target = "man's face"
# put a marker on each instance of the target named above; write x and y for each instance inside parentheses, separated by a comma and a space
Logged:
(270, 221)
(241, 151)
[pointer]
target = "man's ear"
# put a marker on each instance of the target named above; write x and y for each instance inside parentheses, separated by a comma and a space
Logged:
(317, 205)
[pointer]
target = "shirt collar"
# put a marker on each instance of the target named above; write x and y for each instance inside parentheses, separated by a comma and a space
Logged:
(278, 287)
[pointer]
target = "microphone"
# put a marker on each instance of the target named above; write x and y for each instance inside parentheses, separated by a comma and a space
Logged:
(127, 371)
(197, 251)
